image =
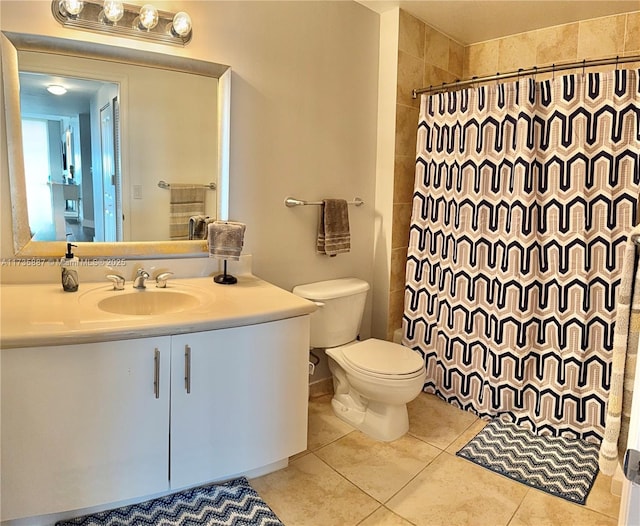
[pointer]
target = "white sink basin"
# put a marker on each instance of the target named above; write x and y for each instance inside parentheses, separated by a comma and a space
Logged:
(149, 302)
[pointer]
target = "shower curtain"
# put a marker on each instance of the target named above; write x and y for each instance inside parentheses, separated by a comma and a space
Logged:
(524, 195)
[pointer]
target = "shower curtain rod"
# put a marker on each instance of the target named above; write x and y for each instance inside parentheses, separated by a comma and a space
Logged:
(459, 84)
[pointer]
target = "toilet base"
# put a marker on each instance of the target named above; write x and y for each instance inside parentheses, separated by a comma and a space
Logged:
(382, 422)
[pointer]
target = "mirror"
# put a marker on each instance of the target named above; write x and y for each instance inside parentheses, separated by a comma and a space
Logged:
(141, 161)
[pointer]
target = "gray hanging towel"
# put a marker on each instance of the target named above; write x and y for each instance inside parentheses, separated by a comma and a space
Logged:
(333, 228)
(226, 239)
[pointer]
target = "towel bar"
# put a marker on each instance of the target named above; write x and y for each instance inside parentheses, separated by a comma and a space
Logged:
(291, 201)
(167, 186)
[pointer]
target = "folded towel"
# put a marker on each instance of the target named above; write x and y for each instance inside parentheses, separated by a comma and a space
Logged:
(198, 227)
(226, 239)
(186, 201)
(333, 227)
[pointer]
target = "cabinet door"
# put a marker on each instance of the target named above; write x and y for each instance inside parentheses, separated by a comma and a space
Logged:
(243, 404)
(83, 425)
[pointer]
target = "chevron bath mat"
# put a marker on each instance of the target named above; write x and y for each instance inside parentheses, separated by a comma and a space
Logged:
(233, 503)
(562, 467)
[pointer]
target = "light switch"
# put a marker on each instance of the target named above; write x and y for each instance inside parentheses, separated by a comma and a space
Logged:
(137, 191)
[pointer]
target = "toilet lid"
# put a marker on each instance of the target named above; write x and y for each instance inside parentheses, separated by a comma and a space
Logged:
(382, 357)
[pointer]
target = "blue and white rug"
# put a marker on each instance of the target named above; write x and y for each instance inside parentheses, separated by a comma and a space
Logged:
(233, 503)
(563, 467)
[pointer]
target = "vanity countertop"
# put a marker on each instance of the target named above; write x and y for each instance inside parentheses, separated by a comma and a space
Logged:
(43, 314)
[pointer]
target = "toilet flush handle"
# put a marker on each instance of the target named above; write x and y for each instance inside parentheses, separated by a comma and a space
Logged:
(319, 303)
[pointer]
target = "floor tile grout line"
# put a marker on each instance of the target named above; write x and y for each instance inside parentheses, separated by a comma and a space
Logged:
(411, 480)
(440, 450)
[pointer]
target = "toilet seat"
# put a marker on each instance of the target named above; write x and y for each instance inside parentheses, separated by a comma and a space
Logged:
(383, 359)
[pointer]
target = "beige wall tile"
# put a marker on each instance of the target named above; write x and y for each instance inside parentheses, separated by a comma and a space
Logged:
(557, 44)
(396, 308)
(434, 76)
(411, 36)
(403, 178)
(410, 75)
(632, 35)
(406, 126)
(436, 48)
(398, 264)
(456, 59)
(401, 221)
(482, 59)
(517, 51)
(601, 37)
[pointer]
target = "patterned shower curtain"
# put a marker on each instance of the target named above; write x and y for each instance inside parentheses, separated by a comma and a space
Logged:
(524, 196)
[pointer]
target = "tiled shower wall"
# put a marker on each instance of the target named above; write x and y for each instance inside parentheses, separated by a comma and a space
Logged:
(427, 57)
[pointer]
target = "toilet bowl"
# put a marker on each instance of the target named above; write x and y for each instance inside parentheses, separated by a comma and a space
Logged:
(373, 379)
(367, 397)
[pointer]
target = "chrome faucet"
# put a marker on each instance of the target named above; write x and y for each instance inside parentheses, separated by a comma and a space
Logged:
(141, 276)
(118, 281)
(161, 279)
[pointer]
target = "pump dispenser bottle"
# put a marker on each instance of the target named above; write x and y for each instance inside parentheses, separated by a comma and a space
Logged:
(69, 264)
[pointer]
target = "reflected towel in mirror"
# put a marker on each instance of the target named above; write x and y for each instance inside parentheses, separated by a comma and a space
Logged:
(226, 239)
(186, 200)
(198, 226)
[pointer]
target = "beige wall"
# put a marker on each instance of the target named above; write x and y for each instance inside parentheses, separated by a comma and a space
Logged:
(427, 57)
(303, 120)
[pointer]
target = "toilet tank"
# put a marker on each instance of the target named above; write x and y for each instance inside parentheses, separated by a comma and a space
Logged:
(340, 309)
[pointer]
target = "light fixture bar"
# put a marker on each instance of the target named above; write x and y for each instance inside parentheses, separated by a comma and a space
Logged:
(92, 18)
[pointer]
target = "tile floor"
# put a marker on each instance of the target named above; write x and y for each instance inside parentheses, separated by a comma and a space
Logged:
(345, 478)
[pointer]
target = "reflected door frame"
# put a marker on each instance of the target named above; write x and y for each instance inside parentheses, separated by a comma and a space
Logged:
(110, 210)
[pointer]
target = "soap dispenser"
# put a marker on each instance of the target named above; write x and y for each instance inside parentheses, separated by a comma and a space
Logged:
(69, 264)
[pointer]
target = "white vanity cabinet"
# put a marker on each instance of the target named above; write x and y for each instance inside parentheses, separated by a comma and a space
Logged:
(87, 425)
(238, 399)
(83, 425)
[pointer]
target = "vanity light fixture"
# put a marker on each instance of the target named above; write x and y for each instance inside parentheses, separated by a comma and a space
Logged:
(181, 25)
(71, 8)
(56, 89)
(148, 18)
(113, 10)
(125, 20)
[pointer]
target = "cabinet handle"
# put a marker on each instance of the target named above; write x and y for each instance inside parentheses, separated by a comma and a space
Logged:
(156, 373)
(187, 368)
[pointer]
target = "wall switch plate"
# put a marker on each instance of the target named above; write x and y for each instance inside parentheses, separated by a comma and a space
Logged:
(137, 191)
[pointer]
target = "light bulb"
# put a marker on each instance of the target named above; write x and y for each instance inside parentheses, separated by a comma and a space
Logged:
(71, 7)
(56, 89)
(181, 25)
(113, 10)
(148, 16)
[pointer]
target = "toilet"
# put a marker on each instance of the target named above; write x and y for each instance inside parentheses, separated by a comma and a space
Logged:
(373, 380)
